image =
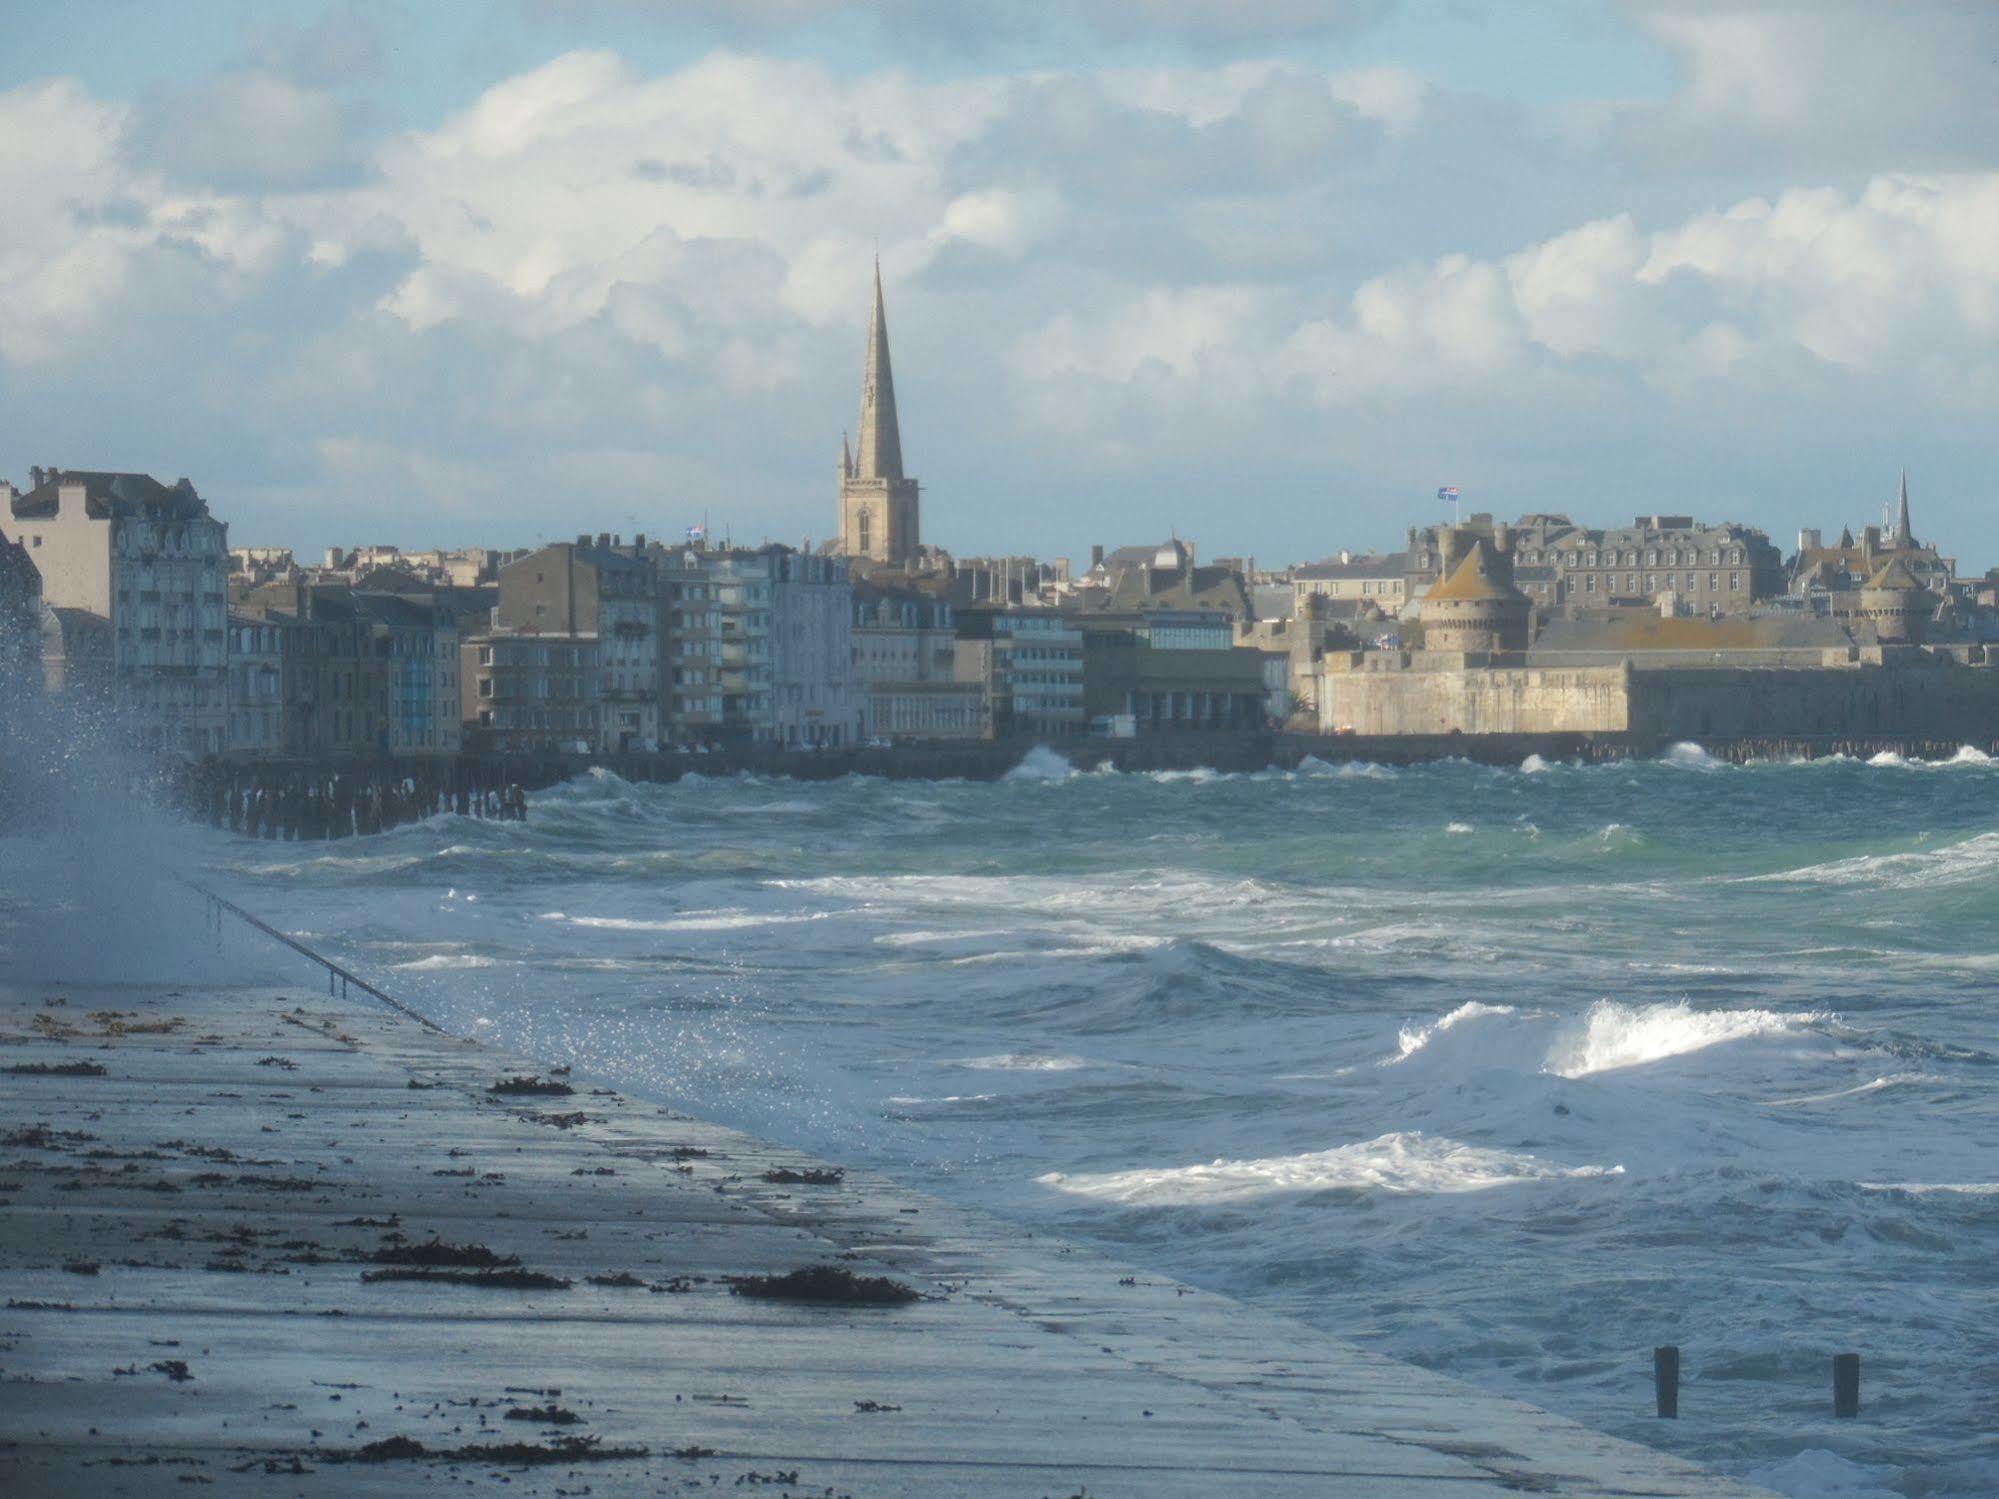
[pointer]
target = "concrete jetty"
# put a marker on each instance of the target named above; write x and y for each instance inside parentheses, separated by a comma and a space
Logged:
(258, 1241)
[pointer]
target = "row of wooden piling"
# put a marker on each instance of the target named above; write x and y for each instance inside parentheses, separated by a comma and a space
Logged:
(311, 805)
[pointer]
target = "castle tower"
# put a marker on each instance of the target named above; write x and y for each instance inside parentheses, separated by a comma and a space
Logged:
(1475, 610)
(1895, 599)
(878, 504)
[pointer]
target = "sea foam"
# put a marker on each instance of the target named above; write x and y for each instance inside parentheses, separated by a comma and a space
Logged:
(1402, 1161)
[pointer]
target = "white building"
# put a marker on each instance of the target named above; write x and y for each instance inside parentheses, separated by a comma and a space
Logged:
(152, 560)
(814, 701)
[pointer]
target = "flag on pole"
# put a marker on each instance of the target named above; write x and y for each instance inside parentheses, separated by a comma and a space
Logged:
(1448, 492)
(697, 533)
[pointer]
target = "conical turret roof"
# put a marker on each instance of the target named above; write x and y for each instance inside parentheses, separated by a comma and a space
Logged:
(1473, 579)
(1896, 577)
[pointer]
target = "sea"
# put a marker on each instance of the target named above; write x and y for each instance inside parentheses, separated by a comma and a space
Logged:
(1513, 1073)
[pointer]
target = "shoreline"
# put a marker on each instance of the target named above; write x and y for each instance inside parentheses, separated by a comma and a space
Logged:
(310, 801)
(246, 1155)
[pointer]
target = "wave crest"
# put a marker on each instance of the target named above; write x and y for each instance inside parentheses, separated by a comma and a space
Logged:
(1404, 1162)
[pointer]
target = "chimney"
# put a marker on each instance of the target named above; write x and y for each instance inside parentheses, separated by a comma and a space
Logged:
(1097, 554)
(638, 541)
(603, 541)
(583, 539)
(35, 477)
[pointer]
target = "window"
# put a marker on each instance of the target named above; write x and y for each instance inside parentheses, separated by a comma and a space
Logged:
(1714, 582)
(1735, 582)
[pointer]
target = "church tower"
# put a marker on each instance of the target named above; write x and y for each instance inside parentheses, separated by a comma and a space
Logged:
(878, 505)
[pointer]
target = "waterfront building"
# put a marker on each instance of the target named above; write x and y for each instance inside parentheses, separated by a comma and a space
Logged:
(256, 685)
(691, 645)
(880, 506)
(1133, 579)
(20, 623)
(76, 652)
(598, 593)
(814, 700)
(1381, 578)
(739, 583)
(1028, 663)
(419, 640)
(1707, 569)
(335, 680)
(1170, 669)
(531, 693)
(905, 653)
(151, 560)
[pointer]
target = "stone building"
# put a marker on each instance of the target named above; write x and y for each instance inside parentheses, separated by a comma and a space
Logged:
(1167, 576)
(1167, 670)
(905, 654)
(1475, 611)
(20, 623)
(256, 685)
(335, 679)
(1895, 602)
(76, 652)
(1561, 566)
(1381, 578)
(532, 693)
(419, 638)
(151, 560)
(880, 506)
(597, 594)
(1028, 664)
(1830, 579)
(690, 642)
(1708, 569)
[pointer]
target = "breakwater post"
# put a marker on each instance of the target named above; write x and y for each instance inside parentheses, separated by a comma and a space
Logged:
(1666, 1381)
(1846, 1384)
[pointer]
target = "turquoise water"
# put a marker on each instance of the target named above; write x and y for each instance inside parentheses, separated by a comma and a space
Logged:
(1514, 1073)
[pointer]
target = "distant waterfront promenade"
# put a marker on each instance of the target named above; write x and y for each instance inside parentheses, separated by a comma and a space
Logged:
(337, 799)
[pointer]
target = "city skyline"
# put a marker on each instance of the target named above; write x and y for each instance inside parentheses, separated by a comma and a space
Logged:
(604, 265)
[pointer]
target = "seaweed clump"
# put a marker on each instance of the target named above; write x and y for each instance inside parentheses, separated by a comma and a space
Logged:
(830, 1285)
(531, 1085)
(438, 1254)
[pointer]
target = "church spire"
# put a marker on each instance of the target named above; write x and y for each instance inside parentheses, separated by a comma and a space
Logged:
(1903, 536)
(880, 455)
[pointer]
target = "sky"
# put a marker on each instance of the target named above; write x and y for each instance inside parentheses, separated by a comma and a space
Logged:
(1262, 276)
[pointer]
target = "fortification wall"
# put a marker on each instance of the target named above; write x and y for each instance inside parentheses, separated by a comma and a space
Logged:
(1922, 699)
(1505, 700)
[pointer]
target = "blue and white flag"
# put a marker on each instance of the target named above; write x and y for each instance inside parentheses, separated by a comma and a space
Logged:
(1448, 492)
(697, 533)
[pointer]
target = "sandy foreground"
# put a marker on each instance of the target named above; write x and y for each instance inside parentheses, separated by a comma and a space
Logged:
(256, 1240)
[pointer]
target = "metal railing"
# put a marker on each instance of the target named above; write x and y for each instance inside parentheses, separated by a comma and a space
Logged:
(338, 980)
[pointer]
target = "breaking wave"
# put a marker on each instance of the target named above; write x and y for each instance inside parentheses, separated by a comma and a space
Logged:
(1401, 1162)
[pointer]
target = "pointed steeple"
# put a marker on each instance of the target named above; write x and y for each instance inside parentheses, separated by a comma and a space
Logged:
(1904, 537)
(846, 459)
(880, 455)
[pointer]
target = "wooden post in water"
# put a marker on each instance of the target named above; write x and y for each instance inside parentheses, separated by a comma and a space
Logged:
(1666, 1381)
(1846, 1384)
